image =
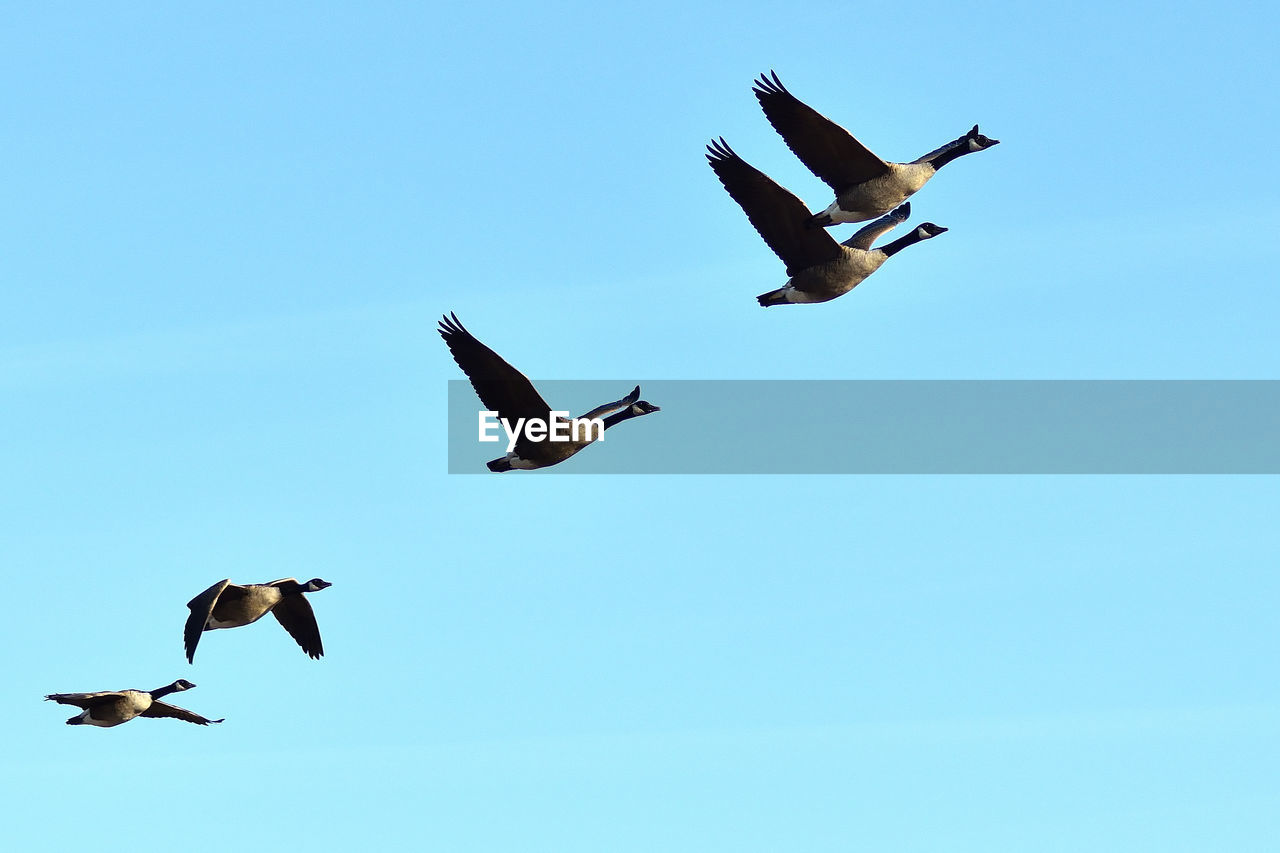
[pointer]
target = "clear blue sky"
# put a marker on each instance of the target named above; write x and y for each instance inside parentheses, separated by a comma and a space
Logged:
(228, 234)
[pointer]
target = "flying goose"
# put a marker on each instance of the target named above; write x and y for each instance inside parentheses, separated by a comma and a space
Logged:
(507, 391)
(229, 605)
(820, 269)
(865, 185)
(113, 707)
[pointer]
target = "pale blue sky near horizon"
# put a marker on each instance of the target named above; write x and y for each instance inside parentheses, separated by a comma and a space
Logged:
(231, 232)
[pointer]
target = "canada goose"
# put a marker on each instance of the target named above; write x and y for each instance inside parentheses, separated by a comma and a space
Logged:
(507, 391)
(820, 269)
(229, 605)
(865, 185)
(113, 707)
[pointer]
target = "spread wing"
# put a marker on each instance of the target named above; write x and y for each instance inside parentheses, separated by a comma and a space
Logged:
(295, 615)
(777, 214)
(163, 709)
(865, 236)
(825, 147)
(501, 387)
(85, 700)
(201, 606)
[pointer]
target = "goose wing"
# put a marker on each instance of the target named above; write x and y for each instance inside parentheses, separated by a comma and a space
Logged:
(201, 607)
(865, 236)
(825, 147)
(501, 387)
(164, 709)
(777, 214)
(295, 615)
(84, 700)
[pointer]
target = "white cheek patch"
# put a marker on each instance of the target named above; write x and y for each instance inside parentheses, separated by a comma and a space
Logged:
(974, 145)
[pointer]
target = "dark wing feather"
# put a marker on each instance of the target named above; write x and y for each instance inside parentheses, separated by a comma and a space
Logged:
(825, 147)
(201, 606)
(294, 613)
(777, 214)
(84, 700)
(163, 709)
(501, 387)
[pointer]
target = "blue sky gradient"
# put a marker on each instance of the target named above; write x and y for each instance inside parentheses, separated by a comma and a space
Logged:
(230, 232)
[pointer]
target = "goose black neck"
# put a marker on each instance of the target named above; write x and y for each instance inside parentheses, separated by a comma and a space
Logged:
(901, 243)
(619, 417)
(164, 691)
(959, 148)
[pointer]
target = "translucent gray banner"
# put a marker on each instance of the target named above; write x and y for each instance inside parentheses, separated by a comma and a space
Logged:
(909, 427)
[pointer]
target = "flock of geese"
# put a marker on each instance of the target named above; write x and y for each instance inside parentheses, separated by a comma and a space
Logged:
(819, 269)
(223, 605)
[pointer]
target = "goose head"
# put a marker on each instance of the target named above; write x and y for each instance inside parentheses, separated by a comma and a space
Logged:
(315, 585)
(978, 142)
(176, 687)
(923, 231)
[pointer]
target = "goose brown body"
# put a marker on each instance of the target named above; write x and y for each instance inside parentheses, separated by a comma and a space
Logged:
(866, 186)
(508, 392)
(228, 605)
(109, 708)
(819, 268)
